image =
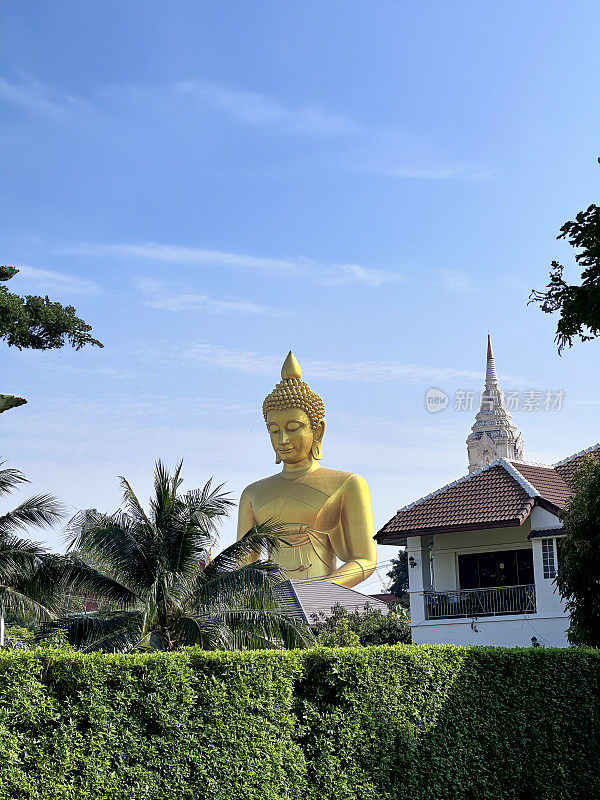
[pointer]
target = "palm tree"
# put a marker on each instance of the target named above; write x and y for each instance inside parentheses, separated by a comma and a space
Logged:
(159, 589)
(28, 584)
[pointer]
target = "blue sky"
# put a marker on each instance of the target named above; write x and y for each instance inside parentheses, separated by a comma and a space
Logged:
(374, 185)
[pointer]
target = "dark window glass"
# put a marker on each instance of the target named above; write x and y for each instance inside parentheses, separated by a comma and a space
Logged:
(468, 571)
(503, 568)
(524, 567)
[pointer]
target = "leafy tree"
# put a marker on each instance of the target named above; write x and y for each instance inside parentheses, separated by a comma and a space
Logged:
(346, 628)
(28, 575)
(578, 305)
(399, 575)
(160, 588)
(37, 323)
(338, 634)
(578, 576)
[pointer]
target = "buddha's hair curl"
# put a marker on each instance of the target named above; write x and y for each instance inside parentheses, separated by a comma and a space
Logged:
(294, 393)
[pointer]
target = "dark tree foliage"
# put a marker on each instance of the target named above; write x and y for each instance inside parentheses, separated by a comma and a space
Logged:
(578, 576)
(578, 305)
(38, 322)
(399, 574)
(345, 629)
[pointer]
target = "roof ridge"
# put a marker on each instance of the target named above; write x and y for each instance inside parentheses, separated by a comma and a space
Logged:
(312, 580)
(530, 463)
(577, 455)
(300, 606)
(529, 487)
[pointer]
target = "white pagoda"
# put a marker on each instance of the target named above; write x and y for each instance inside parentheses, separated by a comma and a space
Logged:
(494, 434)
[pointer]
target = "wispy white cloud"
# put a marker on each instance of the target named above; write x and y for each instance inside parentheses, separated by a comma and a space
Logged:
(402, 154)
(253, 108)
(375, 371)
(325, 274)
(44, 280)
(38, 97)
(455, 281)
(394, 153)
(178, 254)
(384, 151)
(353, 273)
(158, 296)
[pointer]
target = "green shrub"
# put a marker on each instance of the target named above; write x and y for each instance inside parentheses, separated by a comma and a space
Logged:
(369, 626)
(368, 723)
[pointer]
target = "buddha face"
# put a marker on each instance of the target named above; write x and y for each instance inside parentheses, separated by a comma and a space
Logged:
(292, 436)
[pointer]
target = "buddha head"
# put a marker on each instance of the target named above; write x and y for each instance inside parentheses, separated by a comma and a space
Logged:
(295, 417)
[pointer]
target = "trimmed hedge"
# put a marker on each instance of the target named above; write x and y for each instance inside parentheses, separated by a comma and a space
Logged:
(377, 723)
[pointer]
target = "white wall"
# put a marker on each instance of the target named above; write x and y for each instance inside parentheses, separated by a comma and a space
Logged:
(548, 600)
(492, 631)
(541, 519)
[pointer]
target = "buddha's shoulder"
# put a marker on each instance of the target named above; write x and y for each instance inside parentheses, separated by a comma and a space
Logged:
(330, 480)
(258, 486)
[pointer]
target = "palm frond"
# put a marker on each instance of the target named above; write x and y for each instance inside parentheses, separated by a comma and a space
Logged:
(42, 582)
(266, 537)
(113, 541)
(208, 503)
(40, 511)
(75, 577)
(205, 632)
(260, 629)
(11, 599)
(188, 527)
(165, 491)
(10, 478)
(115, 632)
(17, 557)
(260, 575)
(132, 504)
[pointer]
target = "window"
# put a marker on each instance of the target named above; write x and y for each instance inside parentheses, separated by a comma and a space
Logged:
(501, 568)
(548, 559)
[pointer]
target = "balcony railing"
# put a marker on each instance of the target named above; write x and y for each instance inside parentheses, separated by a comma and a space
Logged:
(480, 602)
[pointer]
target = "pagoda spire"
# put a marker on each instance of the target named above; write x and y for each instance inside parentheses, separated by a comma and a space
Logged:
(491, 377)
(494, 434)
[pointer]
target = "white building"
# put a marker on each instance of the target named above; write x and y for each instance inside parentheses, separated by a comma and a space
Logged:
(483, 550)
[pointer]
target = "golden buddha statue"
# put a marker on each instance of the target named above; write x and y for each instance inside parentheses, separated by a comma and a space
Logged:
(326, 514)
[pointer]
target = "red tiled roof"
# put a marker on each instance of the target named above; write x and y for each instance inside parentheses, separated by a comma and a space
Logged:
(387, 597)
(546, 480)
(489, 498)
(569, 466)
(499, 495)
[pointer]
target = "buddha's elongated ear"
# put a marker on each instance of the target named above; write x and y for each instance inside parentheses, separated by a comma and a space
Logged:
(316, 449)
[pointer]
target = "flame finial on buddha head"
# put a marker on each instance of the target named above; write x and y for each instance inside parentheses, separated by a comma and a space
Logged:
(293, 392)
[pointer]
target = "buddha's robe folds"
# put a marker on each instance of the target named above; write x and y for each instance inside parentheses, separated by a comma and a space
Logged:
(330, 517)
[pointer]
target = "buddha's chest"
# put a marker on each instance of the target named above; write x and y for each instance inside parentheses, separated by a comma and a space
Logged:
(298, 504)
